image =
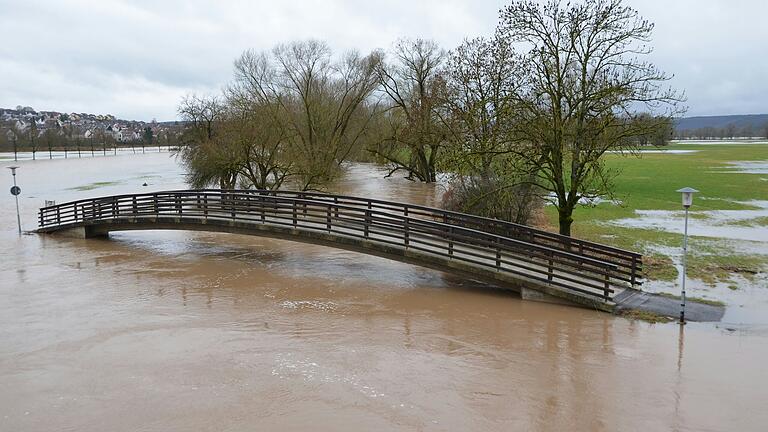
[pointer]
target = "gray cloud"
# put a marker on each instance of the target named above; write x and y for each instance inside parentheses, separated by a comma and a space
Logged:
(137, 59)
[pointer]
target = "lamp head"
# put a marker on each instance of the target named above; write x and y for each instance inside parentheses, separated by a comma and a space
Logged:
(13, 169)
(687, 196)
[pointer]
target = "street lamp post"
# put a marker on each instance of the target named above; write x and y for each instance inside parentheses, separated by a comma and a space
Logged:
(687, 194)
(15, 191)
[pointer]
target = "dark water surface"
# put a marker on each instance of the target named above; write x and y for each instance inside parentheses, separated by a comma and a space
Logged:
(200, 331)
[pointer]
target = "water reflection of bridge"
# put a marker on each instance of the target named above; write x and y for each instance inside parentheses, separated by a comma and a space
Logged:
(539, 264)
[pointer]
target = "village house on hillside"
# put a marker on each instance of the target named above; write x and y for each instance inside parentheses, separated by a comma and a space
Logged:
(23, 121)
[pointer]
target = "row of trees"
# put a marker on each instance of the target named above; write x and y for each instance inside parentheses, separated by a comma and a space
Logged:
(726, 132)
(523, 115)
(295, 113)
(67, 140)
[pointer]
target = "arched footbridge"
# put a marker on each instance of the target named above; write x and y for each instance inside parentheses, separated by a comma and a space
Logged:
(539, 264)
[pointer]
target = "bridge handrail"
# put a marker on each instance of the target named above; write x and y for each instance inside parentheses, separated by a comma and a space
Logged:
(600, 271)
(630, 263)
(570, 241)
(563, 238)
(339, 206)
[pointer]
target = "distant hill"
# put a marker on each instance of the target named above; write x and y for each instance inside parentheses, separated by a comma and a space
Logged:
(757, 121)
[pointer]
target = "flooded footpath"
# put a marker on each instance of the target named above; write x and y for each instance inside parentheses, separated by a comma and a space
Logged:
(174, 330)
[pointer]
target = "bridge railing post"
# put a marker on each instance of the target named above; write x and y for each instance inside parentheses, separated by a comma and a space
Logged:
(135, 209)
(498, 253)
(551, 267)
(156, 209)
(328, 218)
(58, 215)
(336, 207)
(607, 288)
(406, 234)
(295, 218)
(114, 208)
(232, 198)
(367, 222)
(450, 242)
(633, 275)
(205, 206)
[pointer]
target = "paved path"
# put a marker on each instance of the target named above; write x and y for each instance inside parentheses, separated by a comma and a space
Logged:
(631, 299)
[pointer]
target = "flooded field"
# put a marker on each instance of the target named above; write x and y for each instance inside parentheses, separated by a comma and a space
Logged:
(725, 224)
(163, 330)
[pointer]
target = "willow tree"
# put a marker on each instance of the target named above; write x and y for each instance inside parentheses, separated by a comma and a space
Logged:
(294, 113)
(585, 84)
(313, 100)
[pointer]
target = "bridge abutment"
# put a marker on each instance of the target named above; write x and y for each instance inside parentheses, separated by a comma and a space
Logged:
(538, 296)
(82, 232)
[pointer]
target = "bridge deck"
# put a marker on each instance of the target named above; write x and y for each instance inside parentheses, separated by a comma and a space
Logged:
(581, 272)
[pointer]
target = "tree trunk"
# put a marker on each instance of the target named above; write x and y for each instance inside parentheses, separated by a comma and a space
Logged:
(565, 219)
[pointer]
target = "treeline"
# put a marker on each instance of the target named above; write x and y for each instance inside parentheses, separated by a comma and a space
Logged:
(729, 131)
(68, 140)
(516, 118)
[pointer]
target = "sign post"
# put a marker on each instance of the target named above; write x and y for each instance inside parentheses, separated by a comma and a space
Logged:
(15, 191)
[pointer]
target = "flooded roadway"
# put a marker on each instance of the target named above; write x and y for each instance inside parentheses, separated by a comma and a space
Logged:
(203, 331)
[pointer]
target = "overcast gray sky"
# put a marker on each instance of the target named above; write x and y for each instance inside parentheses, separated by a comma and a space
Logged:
(136, 59)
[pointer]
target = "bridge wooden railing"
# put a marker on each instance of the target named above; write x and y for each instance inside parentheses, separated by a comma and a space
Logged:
(586, 268)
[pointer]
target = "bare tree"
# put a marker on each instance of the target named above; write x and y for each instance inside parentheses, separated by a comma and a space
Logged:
(32, 136)
(259, 142)
(310, 107)
(486, 178)
(260, 122)
(206, 159)
(50, 136)
(584, 84)
(321, 99)
(412, 84)
(481, 75)
(5, 137)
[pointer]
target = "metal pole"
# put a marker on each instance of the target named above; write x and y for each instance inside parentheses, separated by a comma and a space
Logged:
(18, 217)
(685, 253)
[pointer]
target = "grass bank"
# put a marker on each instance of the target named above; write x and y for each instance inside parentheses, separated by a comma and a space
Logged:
(649, 182)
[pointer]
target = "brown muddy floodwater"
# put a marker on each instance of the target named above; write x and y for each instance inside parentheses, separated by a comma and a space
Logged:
(165, 331)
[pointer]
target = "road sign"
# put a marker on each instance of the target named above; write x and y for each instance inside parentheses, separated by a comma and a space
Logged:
(15, 190)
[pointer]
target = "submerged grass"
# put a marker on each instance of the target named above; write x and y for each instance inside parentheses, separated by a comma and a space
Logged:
(94, 185)
(646, 316)
(722, 267)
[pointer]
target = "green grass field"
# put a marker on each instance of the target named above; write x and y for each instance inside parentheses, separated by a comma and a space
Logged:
(649, 182)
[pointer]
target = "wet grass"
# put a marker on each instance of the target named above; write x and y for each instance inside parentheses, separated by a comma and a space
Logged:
(722, 267)
(649, 317)
(659, 267)
(649, 182)
(756, 222)
(693, 299)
